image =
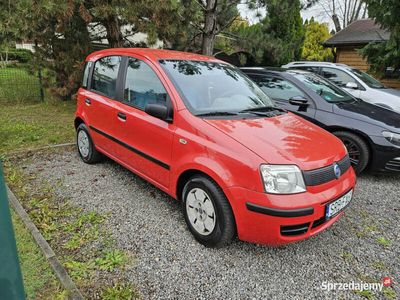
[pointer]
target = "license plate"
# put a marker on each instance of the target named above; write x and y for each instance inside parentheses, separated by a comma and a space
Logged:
(338, 205)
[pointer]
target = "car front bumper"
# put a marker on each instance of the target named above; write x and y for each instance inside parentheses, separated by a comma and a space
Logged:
(281, 219)
(385, 156)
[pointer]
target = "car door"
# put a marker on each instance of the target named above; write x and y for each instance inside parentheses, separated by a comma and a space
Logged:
(148, 139)
(100, 99)
(282, 91)
(341, 79)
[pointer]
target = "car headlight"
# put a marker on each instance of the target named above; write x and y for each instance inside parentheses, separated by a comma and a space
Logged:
(282, 179)
(392, 137)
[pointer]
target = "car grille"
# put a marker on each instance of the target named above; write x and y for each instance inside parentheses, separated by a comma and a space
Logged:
(318, 222)
(292, 230)
(325, 174)
(393, 165)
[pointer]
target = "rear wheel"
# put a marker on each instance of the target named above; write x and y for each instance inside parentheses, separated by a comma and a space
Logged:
(207, 212)
(85, 145)
(358, 149)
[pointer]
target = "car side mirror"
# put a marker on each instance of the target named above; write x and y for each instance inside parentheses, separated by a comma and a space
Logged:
(299, 101)
(352, 85)
(159, 111)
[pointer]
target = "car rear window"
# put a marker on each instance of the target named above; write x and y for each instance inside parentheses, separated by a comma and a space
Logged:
(105, 75)
(85, 80)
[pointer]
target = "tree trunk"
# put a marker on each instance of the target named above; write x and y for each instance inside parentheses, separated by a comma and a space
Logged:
(210, 28)
(114, 34)
(336, 21)
(208, 44)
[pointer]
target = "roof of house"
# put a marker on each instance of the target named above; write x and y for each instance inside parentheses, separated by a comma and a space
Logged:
(359, 32)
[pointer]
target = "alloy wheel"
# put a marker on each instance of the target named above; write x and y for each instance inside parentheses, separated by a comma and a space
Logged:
(200, 211)
(83, 143)
(353, 150)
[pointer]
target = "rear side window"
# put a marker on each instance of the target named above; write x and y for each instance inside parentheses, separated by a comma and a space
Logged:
(105, 75)
(338, 77)
(277, 88)
(307, 68)
(85, 80)
(142, 85)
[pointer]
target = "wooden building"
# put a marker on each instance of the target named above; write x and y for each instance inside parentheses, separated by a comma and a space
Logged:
(356, 36)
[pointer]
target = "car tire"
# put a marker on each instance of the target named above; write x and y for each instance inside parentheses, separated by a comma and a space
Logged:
(358, 150)
(85, 146)
(207, 212)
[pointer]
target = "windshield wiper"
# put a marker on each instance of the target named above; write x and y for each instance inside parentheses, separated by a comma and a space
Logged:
(267, 111)
(262, 109)
(216, 113)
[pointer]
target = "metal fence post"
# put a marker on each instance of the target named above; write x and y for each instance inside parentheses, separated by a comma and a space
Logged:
(41, 84)
(40, 77)
(11, 284)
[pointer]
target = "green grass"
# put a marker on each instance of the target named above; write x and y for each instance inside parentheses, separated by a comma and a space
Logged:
(389, 293)
(27, 122)
(120, 292)
(365, 293)
(39, 280)
(82, 244)
(383, 241)
(24, 126)
(17, 85)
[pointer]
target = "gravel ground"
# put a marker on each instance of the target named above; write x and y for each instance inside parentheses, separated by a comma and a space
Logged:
(169, 263)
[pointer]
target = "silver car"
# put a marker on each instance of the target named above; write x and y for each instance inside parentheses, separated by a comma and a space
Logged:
(358, 83)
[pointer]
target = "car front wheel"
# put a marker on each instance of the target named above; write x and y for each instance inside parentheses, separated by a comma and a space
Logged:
(207, 212)
(357, 148)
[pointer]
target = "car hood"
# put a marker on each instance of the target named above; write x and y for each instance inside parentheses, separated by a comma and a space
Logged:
(284, 139)
(390, 91)
(370, 113)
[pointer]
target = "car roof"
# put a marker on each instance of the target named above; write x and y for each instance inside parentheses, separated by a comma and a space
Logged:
(313, 63)
(152, 54)
(273, 70)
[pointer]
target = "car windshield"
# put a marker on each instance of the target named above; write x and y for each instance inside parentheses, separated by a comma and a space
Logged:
(328, 91)
(367, 79)
(215, 88)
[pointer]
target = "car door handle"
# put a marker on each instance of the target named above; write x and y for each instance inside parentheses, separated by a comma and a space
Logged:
(88, 102)
(122, 116)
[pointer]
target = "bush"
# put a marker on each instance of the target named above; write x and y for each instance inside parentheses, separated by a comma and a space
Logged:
(20, 55)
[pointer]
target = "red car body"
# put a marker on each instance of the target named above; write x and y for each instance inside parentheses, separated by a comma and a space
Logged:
(228, 151)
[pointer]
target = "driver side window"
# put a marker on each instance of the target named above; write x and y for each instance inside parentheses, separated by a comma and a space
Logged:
(142, 85)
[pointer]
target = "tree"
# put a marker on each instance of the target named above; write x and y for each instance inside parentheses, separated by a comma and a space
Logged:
(278, 38)
(384, 54)
(60, 30)
(286, 26)
(6, 31)
(216, 17)
(315, 34)
(342, 12)
(64, 31)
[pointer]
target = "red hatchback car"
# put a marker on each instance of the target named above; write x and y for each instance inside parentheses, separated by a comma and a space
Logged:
(203, 132)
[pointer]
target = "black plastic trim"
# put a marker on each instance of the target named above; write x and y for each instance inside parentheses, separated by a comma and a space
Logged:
(286, 213)
(326, 174)
(293, 230)
(154, 160)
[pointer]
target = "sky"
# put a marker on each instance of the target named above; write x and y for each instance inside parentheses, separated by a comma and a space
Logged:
(316, 11)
